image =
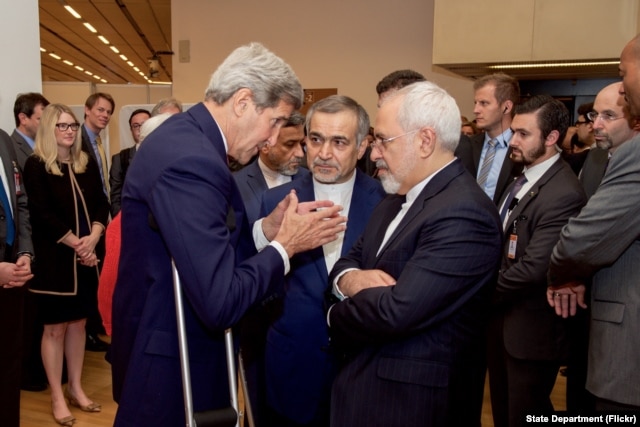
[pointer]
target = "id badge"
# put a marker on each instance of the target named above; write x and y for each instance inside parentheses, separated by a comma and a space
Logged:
(513, 241)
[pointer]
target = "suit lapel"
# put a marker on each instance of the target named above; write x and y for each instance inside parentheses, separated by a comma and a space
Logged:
(532, 193)
(433, 187)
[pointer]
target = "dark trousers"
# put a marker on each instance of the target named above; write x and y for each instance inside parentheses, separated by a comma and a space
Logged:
(518, 387)
(11, 307)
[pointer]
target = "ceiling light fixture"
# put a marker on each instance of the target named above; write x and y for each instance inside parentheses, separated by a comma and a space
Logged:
(72, 12)
(53, 55)
(103, 39)
(553, 65)
(115, 49)
(68, 62)
(90, 27)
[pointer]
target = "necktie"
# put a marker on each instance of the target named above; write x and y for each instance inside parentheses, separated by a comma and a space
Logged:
(103, 164)
(517, 186)
(486, 164)
(11, 229)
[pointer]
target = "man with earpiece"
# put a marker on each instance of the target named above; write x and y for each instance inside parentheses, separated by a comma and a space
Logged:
(485, 155)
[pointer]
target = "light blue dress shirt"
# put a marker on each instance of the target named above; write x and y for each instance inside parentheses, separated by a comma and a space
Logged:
(501, 152)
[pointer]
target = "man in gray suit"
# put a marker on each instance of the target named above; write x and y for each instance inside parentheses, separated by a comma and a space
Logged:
(604, 242)
(16, 253)
(27, 111)
(609, 132)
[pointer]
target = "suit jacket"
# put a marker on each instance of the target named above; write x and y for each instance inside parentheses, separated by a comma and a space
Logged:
(299, 369)
(531, 329)
(604, 242)
(421, 356)
(55, 210)
(88, 148)
(469, 151)
(252, 185)
(21, 147)
(18, 197)
(12, 299)
(180, 201)
(117, 173)
(593, 169)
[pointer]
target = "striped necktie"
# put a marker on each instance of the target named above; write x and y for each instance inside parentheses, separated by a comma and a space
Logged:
(103, 164)
(486, 164)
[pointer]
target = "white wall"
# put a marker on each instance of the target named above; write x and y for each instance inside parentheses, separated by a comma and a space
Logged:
(349, 45)
(20, 47)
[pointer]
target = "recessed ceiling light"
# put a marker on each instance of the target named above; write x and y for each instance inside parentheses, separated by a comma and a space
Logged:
(90, 27)
(103, 39)
(53, 55)
(73, 12)
(115, 49)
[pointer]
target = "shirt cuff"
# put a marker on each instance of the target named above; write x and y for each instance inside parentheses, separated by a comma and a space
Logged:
(283, 254)
(336, 290)
(259, 239)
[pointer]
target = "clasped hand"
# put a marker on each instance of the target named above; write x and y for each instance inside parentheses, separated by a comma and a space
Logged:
(15, 275)
(299, 227)
(85, 250)
(566, 298)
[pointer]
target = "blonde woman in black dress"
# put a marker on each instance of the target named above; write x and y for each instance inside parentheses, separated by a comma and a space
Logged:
(69, 212)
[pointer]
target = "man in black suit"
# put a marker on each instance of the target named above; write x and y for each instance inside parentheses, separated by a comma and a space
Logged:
(15, 271)
(527, 341)
(485, 154)
(26, 111)
(120, 162)
(419, 278)
(98, 109)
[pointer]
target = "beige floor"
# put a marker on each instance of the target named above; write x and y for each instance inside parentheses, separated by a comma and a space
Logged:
(36, 410)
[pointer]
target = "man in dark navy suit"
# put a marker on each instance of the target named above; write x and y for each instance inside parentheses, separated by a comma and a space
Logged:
(299, 367)
(180, 202)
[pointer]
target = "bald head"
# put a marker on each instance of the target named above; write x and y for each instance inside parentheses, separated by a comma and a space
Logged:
(614, 124)
(630, 73)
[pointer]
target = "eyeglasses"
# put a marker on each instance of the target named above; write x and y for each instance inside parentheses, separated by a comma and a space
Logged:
(136, 126)
(381, 143)
(63, 127)
(605, 117)
(584, 122)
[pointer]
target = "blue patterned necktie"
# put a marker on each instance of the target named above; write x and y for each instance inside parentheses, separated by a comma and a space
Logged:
(486, 163)
(11, 229)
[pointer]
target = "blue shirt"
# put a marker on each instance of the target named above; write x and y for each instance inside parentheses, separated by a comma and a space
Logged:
(30, 141)
(502, 147)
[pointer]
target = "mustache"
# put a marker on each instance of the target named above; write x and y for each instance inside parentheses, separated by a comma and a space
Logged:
(324, 163)
(381, 164)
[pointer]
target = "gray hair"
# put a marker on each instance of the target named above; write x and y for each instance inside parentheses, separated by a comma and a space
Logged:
(254, 67)
(336, 104)
(164, 103)
(427, 104)
(151, 124)
(295, 119)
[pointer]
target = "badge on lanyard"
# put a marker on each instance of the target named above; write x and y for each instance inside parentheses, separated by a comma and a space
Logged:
(16, 179)
(513, 241)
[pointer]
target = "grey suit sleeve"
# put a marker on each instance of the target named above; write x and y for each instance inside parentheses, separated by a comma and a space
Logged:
(607, 225)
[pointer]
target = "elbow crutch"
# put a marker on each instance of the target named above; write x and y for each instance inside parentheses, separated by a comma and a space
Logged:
(226, 417)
